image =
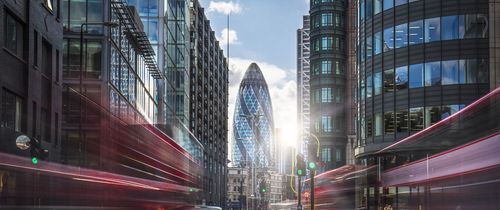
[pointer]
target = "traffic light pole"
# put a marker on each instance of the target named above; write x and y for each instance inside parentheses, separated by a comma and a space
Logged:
(312, 189)
(299, 204)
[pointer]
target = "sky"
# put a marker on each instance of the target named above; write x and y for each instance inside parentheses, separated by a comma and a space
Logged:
(264, 32)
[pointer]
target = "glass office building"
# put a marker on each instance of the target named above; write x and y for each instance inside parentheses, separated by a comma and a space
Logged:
(418, 63)
(253, 124)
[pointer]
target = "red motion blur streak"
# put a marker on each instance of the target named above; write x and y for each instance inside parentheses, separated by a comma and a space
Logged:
(75, 173)
(476, 156)
(467, 110)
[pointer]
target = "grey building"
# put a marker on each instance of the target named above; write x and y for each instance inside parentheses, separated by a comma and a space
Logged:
(328, 80)
(208, 103)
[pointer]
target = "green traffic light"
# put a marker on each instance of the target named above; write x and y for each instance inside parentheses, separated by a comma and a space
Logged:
(263, 190)
(34, 160)
(312, 165)
(191, 189)
(299, 172)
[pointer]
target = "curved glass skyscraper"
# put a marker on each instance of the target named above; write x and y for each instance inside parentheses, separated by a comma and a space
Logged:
(253, 123)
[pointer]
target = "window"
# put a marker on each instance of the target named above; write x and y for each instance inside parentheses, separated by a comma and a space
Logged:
(326, 43)
(416, 76)
(377, 7)
(402, 78)
(47, 59)
(377, 80)
(402, 121)
(14, 36)
(450, 28)
(326, 95)
(315, 68)
(433, 73)
(432, 29)
(448, 110)
(482, 71)
(35, 48)
(338, 20)
(369, 85)
(339, 95)
(389, 80)
(378, 124)
(369, 47)
(326, 154)
(378, 43)
(369, 126)
(338, 68)
(12, 106)
(388, 39)
(401, 35)
(369, 8)
(326, 67)
(338, 155)
(476, 26)
(315, 21)
(389, 123)
(83, 11)
(93, 58)
(432, 115)
(450, 72)
(362, 11)
(327, 19)
(416, 119)
(461, 71)
(388, 4)
(326, 122)
(416, 30)
(400, 2)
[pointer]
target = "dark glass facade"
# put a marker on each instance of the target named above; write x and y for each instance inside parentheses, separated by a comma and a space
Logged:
(418, 62)
(328, 58)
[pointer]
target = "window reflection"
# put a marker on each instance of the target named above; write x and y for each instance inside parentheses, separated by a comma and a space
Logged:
(378, 124)
(432, 115)
(388, 4)
(402, 77)
(369, 47)
(432, 29)
(450, 27)
(416, 75)
(400, 2)
(388, 39)
(416, 29)
(402, 121)
(377, 6)
(378, 43)
(377, 80)
(433, 73)
(326, 67)
(369, 85)
(401, 35)
(450, 72)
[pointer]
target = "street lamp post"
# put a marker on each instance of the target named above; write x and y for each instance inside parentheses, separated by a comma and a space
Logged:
(313, 157)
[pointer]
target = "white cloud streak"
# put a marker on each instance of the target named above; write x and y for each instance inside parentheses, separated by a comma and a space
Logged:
(224, 7)
(231, 37)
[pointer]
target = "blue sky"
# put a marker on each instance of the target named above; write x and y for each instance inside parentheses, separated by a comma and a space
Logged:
(266, 29)
(262, 31)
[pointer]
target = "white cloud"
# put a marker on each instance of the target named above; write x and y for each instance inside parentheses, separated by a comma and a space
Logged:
(233, 37)
(282, 88)
(224, 7)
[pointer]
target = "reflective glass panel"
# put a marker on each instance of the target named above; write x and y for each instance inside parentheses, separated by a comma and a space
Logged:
(369, 47)
(400, 2)
(389, 123)
(378, 43)
(401, 77)
(416, 29)
(377, 80)
(433, 73)
(388, 4)
(388, 39)
(401, 35)
(389, 80)
(402, 121)
(378, 124)
(326, 67)
(369, 86)
(377, 6)
(416, 119)
(416, 75)
(450, 28)
(432, 29)
(450, 72)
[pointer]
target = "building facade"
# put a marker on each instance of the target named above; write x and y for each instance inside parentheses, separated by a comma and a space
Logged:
(238, 185)
(418, 63)
(253, 123)
(328, 80)
(303, 86)
(208, 103)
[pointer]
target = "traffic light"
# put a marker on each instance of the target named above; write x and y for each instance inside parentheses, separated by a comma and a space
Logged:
(37, 152)
(300, 165)
(312, 153)
(263, 187)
